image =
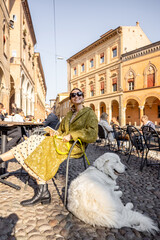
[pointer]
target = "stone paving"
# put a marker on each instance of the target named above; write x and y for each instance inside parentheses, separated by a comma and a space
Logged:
(54, 222)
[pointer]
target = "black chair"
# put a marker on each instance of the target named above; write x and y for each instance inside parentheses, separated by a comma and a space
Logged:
(137, 142)
(152, 141)
(101, 134)
(122, 139)
(67, 170)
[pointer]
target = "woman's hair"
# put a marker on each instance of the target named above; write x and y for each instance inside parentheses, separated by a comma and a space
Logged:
(104, 116)
(145, 117)
(73, 90)
(73, 109)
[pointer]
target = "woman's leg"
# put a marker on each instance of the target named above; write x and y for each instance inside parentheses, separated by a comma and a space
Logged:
(6, 156)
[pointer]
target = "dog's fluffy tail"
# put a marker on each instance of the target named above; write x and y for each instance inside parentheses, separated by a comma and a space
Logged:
(140, 222)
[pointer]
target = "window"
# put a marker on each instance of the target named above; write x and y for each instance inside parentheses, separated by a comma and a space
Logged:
(158, 111)
(131, 85)
(102, 58)
(75, 71)
(14, 53)
(14, 18)
(92, 91)
(4, 40)
(150, 77)
(82, 67)
(102, 88)
(114, 52)
(91, 63)
(114, 84)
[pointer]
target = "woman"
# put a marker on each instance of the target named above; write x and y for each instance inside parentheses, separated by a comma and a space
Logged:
(41, 156)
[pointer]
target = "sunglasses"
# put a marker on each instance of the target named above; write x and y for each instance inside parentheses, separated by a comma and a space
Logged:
(79, 94)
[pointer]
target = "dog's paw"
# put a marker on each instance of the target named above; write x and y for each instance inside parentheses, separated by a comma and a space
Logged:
(129, 205)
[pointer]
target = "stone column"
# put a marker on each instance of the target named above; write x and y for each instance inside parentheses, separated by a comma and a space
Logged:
(18, 97)
(141, 111)
(123, 119)
(110, 113)
(24, 103)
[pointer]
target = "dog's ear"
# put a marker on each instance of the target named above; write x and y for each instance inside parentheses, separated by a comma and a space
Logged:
(99, 163)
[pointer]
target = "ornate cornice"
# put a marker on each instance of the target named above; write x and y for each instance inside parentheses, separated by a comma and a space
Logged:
(154, 47)
(29, 19)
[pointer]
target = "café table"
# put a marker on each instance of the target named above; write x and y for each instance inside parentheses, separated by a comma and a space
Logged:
(5, 126)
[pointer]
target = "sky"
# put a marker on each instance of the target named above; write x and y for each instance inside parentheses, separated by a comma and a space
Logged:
(64, 27)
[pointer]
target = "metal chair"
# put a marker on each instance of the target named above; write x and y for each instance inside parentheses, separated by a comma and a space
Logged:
(102, 134)
(137, 142)
(67, 170)
(122, 139)
(152, 141)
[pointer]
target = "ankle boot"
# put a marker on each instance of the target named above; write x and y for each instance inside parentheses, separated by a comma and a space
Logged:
(1, 161)
(2, 169)
(42, 195)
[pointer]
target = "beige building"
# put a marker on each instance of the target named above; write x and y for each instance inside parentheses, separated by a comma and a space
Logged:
(4, 53)
(99, 70)
(64, 106)
(26, 83)
(40, 88)
(61, 104)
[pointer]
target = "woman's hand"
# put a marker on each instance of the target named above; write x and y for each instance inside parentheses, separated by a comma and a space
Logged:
(53, 133)
(67, 138)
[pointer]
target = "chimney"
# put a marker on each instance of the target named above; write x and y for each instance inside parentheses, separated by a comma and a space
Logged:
(137, 24)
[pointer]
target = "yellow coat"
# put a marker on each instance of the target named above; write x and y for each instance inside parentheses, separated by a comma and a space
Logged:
(45, 159)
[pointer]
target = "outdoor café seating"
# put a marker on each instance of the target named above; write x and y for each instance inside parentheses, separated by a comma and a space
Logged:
(122, 139)
(152, 142)
(137, 143)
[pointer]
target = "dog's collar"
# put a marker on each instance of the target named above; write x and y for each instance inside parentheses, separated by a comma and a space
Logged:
(98, 169)
(103, 172)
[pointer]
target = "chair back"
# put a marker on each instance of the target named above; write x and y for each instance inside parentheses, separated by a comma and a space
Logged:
(57, 125)
(136, 137)
(151, 137)
(101, 132)
(119, 133)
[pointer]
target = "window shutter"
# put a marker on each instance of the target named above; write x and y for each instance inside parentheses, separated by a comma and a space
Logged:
(114, 81)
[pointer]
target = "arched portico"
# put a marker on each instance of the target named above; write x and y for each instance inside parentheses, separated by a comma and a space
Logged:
(152, 109)
(132, 112)
(115, 109)
(102, 107)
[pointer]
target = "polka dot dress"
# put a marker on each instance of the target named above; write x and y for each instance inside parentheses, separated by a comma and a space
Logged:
(24, 149)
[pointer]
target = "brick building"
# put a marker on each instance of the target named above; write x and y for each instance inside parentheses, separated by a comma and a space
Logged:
(103, 73)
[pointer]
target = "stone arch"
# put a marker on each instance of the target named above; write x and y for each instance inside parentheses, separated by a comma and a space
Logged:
(131, 97)
(132, 112)
(115, 109)
(151, 108)
(156, 95)
(102, 107)
(146, 70)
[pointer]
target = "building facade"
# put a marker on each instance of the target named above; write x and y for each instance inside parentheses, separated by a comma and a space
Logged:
(4, 53)
(99, 70)
(61, 104)
(26, 82)
(141, 84)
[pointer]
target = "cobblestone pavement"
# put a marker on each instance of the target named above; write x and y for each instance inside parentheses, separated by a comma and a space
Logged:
(53, 221)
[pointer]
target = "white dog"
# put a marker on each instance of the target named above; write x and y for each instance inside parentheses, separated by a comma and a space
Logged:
(93, 197)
